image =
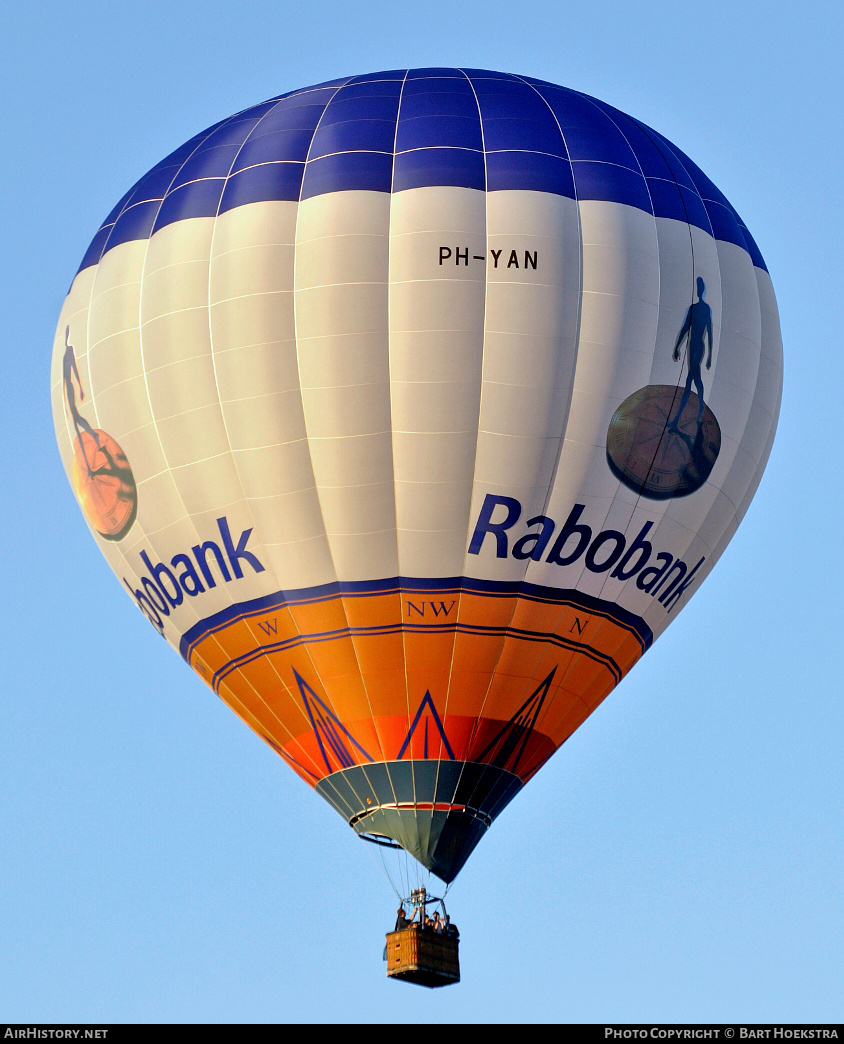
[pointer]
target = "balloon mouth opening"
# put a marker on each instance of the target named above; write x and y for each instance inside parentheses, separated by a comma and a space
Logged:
(436, 811)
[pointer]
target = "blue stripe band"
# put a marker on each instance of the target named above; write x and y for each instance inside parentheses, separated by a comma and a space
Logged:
(543, 638)
(408, 129)
(444, 585)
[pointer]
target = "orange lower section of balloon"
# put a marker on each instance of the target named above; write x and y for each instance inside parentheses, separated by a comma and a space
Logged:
(497, 679)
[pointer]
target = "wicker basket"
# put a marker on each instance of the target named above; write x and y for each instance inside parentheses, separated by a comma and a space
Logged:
(422, 956)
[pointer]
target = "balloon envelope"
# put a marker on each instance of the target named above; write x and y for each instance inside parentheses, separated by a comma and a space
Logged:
(410, 408)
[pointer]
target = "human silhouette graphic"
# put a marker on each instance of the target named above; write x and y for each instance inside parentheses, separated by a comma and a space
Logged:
(698, 327)
(69, 371)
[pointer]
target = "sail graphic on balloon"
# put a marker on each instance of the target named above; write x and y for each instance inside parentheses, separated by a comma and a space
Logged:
(443, 390)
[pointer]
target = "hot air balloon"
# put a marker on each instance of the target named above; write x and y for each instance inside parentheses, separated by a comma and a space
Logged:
(410, 408)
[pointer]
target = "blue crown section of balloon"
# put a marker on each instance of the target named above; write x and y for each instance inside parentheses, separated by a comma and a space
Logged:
(404, 129)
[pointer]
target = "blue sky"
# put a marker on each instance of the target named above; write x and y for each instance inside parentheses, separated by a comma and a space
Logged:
(680, 858)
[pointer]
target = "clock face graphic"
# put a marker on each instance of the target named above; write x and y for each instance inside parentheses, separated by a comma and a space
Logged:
(100, 474)
(104, 484)
(657, 453)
